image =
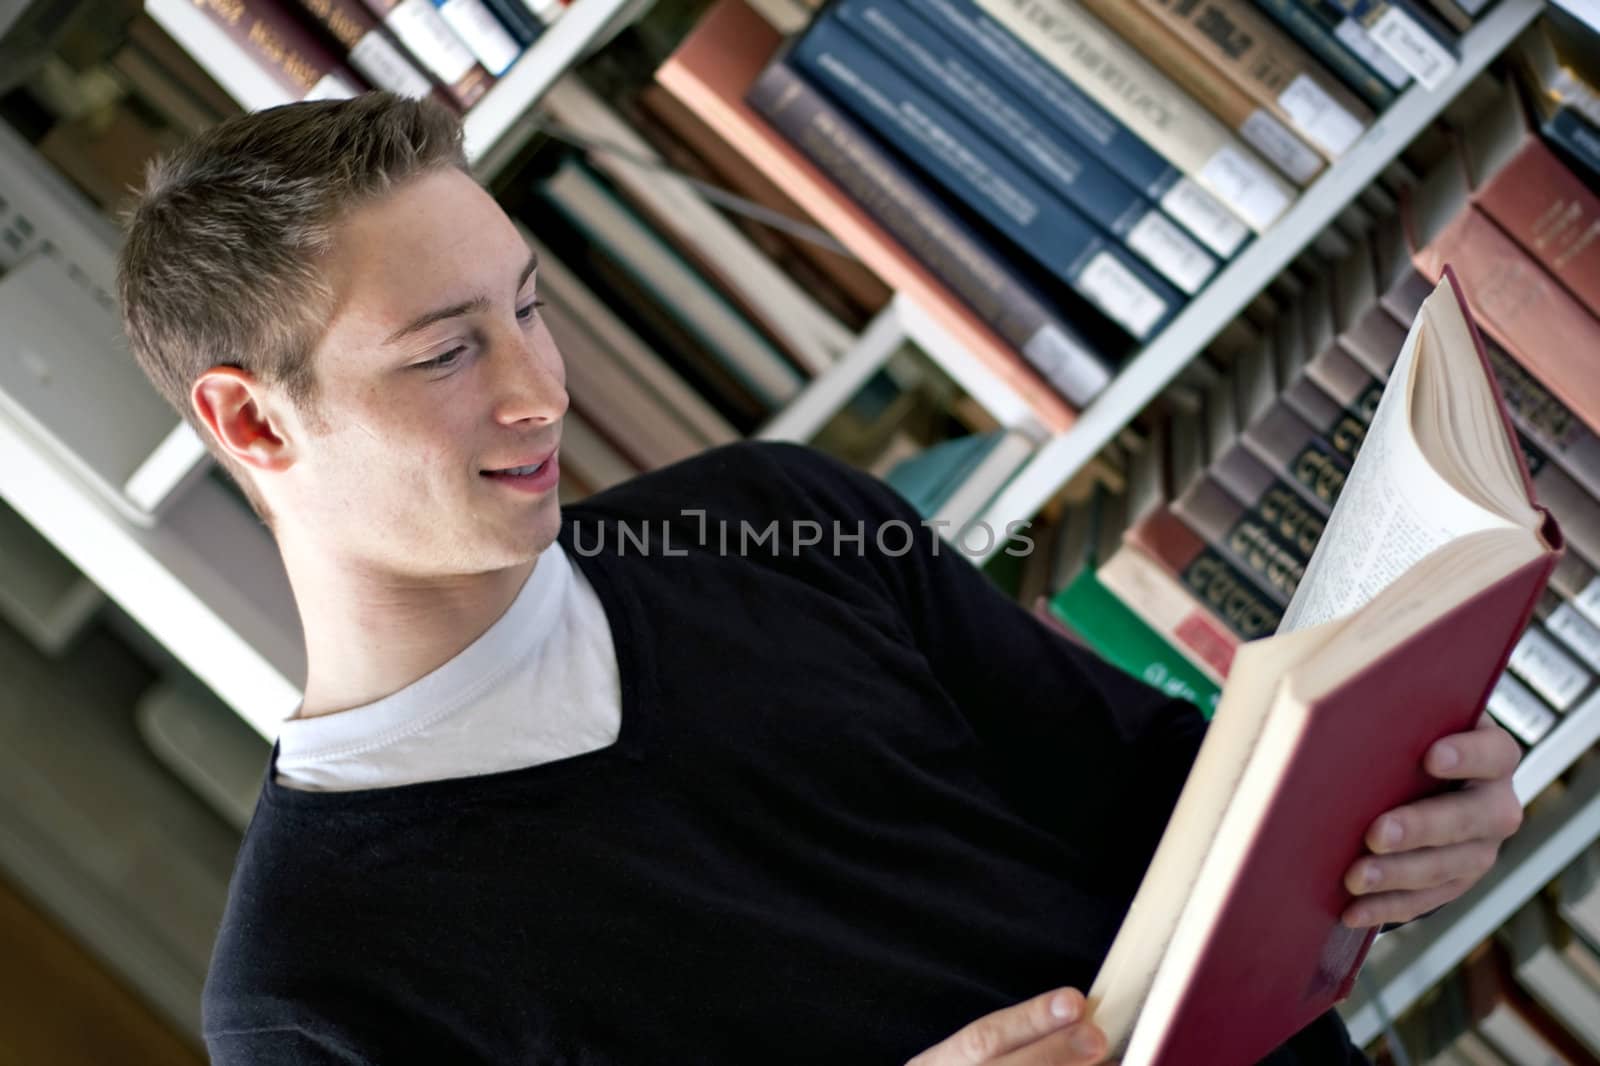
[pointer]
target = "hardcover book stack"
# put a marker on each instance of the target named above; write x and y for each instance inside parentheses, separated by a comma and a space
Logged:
(1055, 179)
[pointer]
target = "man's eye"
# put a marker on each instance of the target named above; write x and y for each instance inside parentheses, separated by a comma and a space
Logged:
(441, 362)
(530, 312)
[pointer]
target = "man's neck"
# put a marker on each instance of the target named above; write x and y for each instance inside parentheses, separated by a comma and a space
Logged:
(370, 635)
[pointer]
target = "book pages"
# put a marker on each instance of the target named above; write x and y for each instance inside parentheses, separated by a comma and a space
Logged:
(1395, 507)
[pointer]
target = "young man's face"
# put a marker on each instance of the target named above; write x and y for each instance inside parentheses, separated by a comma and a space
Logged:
(435, 369)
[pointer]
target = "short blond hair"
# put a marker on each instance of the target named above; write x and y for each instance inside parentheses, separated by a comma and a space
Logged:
(221, 262)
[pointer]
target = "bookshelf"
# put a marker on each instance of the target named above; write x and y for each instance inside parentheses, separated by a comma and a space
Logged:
(1226, 296)
(501, 123)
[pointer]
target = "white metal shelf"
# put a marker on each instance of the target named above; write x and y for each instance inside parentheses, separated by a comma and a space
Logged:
(1429, 949)
(1238, 283)
(499, 124)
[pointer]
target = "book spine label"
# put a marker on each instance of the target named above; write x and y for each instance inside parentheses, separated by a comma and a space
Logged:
(1008, 198)
(929, 231)
(1322, 41)
(1409, 44)
(1140, 96)
(1572, 133)
(1552, 673)
(1279, 146)
(1240, 42)
(1231, 596)
(1295, 525)
(1204, 216)
(1520, 711)
(1587, 601)
(1154, 594)
(419, 26)
(1578, 633)
(1253, 543)
(1355, 37)
(300, 63)
(371, 52)
(1319, 473)
(481, 32)
(903, 38)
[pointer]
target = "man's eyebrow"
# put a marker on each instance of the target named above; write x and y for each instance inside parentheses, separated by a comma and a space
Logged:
(475, 305)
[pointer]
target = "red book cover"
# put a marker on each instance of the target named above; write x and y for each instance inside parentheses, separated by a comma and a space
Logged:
(1261, 951)
(1552, 214)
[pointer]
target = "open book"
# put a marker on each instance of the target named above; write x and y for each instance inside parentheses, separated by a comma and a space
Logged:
(1425, 577)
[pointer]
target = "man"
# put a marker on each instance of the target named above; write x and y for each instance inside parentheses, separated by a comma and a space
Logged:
(729, 764)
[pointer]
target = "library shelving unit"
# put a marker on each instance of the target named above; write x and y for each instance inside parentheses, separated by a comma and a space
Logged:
(1227, 294)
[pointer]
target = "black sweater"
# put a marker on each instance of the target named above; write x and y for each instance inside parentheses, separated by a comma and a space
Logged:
(859, 799)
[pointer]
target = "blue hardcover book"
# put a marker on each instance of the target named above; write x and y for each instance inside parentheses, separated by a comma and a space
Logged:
(1576, 140)
(518, 21)
(1415, 39)
(1067, 169)
(1009, 199)
(1065, 108)
(932, 476)
(1346, 28)
(1319, 39)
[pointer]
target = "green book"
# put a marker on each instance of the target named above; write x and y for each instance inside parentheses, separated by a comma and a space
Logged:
(1122, 639)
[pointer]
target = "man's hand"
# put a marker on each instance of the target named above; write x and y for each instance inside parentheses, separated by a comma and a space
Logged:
(1431, 852)
(1043, 1031)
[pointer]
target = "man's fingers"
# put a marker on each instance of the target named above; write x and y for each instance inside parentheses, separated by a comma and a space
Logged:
(1485, 753)
(1006, 1030)
(1078, 1045)
(1487, 812)
(1420, 869)
(1390, 907)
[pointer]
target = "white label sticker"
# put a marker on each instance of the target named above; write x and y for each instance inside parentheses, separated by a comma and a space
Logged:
(495, 48)
(1548, 670)
(1588, 601)
(1328, 125)
(1356, 38)
(1413, 47)
(1120, 294)
(333, 86)
(1204, 216)
(1281, 147)
(1171, 251)
(1245, 186)
(425, 34)
(1520, 711)
(386, 67)
(1577, 633)
(1074, 370)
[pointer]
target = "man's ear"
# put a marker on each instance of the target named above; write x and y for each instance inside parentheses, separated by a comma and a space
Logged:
(244, 417)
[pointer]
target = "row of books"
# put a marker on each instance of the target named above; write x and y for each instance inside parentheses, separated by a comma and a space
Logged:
(270, 52)
(1529, 996)
(1074, 171)
(1227, 488)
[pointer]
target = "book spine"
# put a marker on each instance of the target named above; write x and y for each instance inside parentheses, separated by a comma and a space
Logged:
(942, 146)
(1255, 55)
(1100, 618)
(904, 38)
(1541, 664)
(1242, 538)
(1339, 427)
(1520, 306)
(1217, 584)
(1575, 632)
(1150, 591)
(418, 25)
(1073, 114)
(1552, 214)
(1411, 39)
(490, 43)
(371, 51)
(1323, 43)
(916, 218)
(1255, 125)
(522, 24)
(1295, 526)
(1524, 715)
(1149, 104)
(546, 11)
(1577, 140)
(1355, 37)
(1552, 427)
(287, 50)
(1305, 461)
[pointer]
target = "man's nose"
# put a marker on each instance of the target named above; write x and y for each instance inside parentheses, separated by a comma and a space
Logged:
(529, 385)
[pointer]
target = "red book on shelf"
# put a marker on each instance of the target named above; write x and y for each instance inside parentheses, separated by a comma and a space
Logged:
(1425, 577)
(710, 73)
